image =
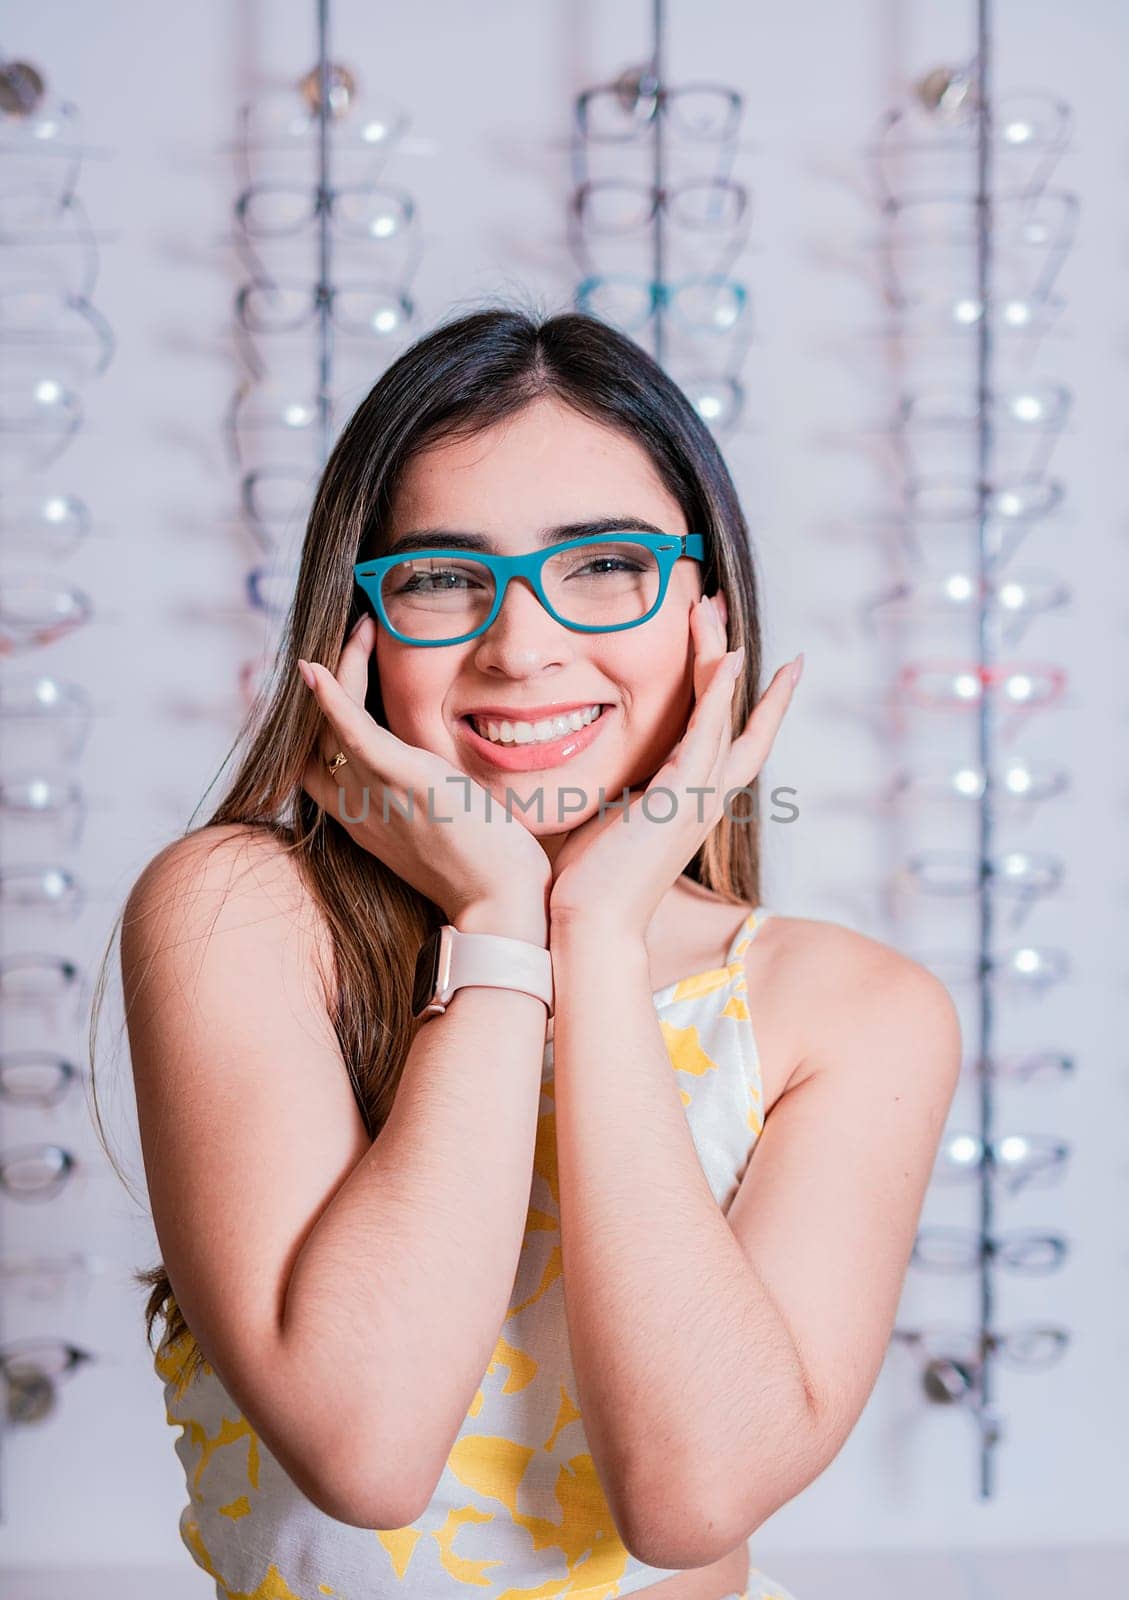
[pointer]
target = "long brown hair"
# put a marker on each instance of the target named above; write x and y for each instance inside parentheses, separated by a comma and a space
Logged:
(458, 380)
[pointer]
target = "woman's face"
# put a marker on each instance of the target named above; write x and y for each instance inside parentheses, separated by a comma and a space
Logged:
(545, 467)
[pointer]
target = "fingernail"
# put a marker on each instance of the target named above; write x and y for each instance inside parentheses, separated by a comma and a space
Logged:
(797, 668)
(307, 674)
(736, 661)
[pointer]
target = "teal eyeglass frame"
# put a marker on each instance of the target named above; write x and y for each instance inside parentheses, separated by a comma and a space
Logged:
(668, 549)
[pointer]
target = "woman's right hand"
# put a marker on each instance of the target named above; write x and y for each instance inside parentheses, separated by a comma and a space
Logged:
(456, 844)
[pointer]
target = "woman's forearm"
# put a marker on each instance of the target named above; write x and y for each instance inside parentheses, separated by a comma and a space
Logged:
(398, 1294)
(682, 1363)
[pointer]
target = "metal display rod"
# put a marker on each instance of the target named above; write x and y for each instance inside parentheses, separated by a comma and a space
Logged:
(324, 291)
(985, 723)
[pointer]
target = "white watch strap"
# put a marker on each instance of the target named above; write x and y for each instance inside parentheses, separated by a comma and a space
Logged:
(498, 962)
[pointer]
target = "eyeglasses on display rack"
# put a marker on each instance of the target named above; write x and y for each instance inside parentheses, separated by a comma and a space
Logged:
(39, 611)
(708, 303)
(968, 261)
(941, 1248)
(1038, 1067)
(1023, 780)
(52, 889)
(941, 504)
(53, 339)
(49, 1277)
(936, 424)
(1016, 1159)
(279, 434)
(1036, 228)
(926, 261)
(37, 1078)
(32, 1370)
(945, 498)
(40, 982)
(46, 522)
(272, 407)
(35, 318)
(36, 1172)
(38, 419)
(35, 217)
(718, 398)
(953, 1359)
(1025, 873)
(286, 122)
(1017, 600)
(1024, 969)
(1028, 1347)
(620, 205)
(923, 142)
(36, 797)
(705, 113)
(445, 595)
(1010, 314)
(1024, 406)
(1024, 225)
(640, 112)
(40, 708)
(367, 211)
(271, 498)
(711, 214)
(950, 686)
(270, 589)
(269, 306)
(36, 130)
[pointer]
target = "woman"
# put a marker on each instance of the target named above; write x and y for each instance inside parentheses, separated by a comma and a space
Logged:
(482, 1295)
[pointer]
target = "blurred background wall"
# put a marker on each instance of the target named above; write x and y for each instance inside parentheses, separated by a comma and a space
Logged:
(90, 1496)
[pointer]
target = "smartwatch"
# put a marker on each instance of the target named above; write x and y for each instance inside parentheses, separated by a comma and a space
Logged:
(449, 960)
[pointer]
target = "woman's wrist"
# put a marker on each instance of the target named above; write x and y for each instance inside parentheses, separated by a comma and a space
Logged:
(590, 937)
(604, 922)
(512, 919)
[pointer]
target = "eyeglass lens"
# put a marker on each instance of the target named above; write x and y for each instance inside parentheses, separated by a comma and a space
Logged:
(437, 597)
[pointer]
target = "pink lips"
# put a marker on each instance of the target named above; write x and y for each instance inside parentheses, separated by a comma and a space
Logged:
(533, 757)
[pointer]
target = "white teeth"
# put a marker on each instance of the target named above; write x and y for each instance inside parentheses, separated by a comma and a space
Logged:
(535, 732)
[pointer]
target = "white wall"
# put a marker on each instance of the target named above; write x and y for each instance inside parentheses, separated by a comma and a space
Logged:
(491, 85)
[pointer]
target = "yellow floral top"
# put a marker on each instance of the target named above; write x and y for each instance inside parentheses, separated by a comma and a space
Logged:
(519, 1512)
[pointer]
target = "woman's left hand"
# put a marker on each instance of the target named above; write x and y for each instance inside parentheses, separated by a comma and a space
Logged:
(617, 867)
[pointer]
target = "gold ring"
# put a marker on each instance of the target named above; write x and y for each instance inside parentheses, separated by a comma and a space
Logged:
(339, 760)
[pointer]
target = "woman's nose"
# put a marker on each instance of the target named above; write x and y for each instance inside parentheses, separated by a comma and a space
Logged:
(523, 633)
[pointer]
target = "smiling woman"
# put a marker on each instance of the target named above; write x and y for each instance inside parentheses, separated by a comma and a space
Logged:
(494, 1300)
(627, 605)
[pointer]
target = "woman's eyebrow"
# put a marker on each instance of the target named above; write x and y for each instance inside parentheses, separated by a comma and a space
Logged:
(456, 539)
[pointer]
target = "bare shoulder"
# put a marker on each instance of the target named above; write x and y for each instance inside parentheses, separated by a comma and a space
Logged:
(828, 992)
(812, 949)
(219, 879)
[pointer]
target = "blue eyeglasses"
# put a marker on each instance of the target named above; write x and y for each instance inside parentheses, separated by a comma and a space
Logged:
(598, 584)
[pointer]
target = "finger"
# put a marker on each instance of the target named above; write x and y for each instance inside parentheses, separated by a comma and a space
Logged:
(709, 641)
(708, 638)
(750, 750)
(700, 756)
(349, 726)
(353, 667)
(352, 675)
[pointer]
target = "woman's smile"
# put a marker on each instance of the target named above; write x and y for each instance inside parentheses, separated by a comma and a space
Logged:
(530, 755)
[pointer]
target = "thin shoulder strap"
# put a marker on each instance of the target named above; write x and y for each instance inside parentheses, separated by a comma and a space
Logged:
(746, 933)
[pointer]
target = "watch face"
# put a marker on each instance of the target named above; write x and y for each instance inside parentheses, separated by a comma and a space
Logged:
(427, 974)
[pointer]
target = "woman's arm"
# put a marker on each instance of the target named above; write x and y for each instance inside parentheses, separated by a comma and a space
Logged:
(721, 1360)
(348, 1293)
